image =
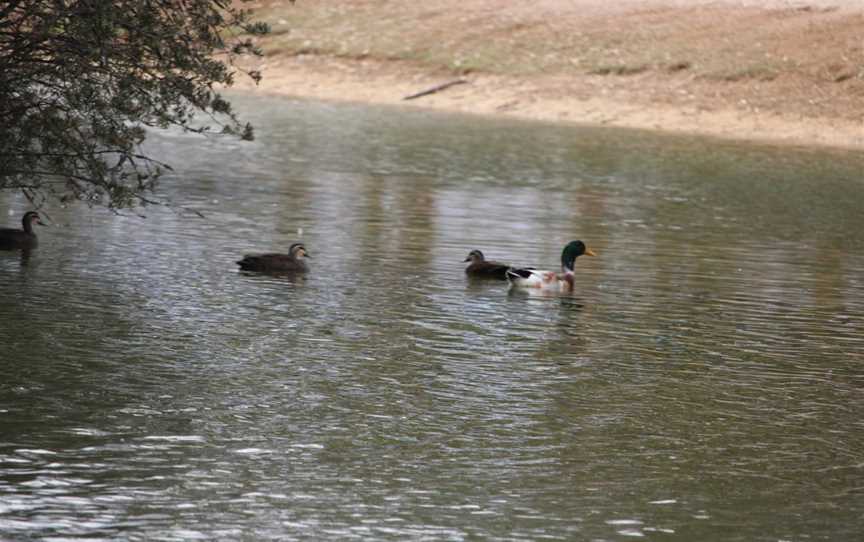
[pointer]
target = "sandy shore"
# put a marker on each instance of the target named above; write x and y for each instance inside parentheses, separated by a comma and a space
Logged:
(779, 71)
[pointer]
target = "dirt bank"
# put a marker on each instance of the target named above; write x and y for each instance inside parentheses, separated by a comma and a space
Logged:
(780, 70)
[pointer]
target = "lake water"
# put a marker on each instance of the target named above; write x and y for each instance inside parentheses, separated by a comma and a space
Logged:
(705, 381)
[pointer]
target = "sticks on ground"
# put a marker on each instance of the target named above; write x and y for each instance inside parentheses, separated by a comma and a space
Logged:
(436, 88)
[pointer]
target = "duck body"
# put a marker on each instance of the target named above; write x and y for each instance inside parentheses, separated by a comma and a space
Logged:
(528, 278)
(483, 269)
(293, 262)
(540, 279)
(25, 238)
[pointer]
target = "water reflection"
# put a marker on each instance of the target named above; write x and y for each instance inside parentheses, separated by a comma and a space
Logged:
(22, 257)
(706, 367)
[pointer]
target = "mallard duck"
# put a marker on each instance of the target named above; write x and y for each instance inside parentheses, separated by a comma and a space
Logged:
(480, 268)
(13, 238)
(550, 280)
(293, 262)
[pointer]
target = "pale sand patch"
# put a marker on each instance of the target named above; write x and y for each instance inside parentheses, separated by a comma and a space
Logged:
(539, 98)
(789, 71)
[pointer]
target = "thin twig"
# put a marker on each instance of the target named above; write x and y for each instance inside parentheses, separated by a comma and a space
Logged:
(437, 88)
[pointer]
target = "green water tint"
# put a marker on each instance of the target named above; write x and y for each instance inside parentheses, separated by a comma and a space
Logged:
(702, 383)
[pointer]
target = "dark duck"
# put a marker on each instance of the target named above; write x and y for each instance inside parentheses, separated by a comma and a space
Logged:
(484, 269)
(25, 238)
(293, 262)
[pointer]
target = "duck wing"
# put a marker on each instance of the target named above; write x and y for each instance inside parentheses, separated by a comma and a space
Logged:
(270, 262)
(492, 270)
(11, 238)
(531, 278)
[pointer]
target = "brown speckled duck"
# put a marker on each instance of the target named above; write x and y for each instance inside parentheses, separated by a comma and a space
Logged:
(293, 262)
(480, 268)
(14, 239)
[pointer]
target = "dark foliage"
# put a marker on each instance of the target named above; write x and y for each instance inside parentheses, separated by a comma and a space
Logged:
(81, 80)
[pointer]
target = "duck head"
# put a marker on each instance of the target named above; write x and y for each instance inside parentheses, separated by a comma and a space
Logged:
(30, 218)
(573, 250)
(297, 250)
(475, 256)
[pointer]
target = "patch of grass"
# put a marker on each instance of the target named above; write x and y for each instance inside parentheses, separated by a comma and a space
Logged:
(679, 66)
(753, 72)
(618, 69)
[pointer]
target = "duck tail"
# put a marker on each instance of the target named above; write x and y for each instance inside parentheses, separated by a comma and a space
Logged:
(515, 273)
(246, 262)
(517, 276)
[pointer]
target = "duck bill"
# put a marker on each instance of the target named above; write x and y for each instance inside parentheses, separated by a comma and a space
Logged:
(589, 252)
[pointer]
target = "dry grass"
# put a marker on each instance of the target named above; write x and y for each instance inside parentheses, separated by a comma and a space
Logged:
(712, 41)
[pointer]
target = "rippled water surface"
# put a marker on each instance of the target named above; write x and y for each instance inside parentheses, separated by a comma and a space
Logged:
(704, 382)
